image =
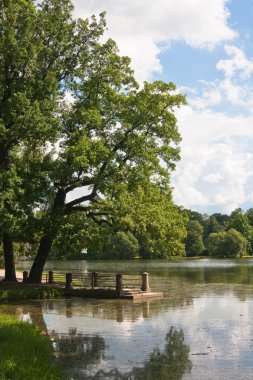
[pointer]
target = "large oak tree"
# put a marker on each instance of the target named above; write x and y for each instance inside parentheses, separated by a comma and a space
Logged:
(92, 153)
(40, 45)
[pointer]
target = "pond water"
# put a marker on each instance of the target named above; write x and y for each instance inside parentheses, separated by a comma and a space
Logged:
(201, 329)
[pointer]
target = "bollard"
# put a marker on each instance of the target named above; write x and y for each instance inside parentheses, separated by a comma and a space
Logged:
(50, 277)
(94, 279)
(25, 276)
(119, 288)
(145, 285)
(68, 281)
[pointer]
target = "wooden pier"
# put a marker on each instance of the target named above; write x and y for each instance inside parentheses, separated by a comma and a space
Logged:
(101, 285)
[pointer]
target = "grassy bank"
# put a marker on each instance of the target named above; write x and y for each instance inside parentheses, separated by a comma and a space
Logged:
(17, 292)
(24, 353)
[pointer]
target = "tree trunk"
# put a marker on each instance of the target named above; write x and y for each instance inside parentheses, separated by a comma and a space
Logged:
(35, 275)
(10, 272)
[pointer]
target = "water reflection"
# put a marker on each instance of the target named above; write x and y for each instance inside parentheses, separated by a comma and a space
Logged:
(116, 310)
(209, 303)
(75, 353)
(171, 363)
(83, 352)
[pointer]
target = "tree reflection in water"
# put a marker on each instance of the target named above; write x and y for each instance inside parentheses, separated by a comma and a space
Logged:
(75, 353)
(170, 364)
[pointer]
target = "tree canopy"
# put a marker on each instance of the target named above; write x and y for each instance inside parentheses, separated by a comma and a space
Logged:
(194, 245)
(78, 135)
(226, 244)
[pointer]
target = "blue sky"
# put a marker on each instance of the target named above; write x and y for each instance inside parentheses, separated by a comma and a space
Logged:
(206, 49)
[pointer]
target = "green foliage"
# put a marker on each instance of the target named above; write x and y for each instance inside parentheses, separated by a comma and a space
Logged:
(115, 143)
(249, 214)
(239, 221)
(156, 222)
(73, 235)
(122, 245)
(194, 215)
(211, 225)
(25, 354)
(28, 293)
(150, 215)
(194, 245)
(226, 244)
(40, 46)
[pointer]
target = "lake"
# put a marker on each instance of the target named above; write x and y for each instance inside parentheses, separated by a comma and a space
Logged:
(201, 329)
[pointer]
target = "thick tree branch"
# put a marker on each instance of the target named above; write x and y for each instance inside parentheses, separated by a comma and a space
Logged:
(72, 210)
(79, 183)
(99, 221)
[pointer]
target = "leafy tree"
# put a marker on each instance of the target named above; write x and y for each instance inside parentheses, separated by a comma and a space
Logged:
(116, 140)
(194, 215)
(211, 225)
(226, 244)
(249, 214)
(122, 245)
(239, 221)
(40, 47)
(222, 219)
(147, 213)
(71, 239)
(194, 245)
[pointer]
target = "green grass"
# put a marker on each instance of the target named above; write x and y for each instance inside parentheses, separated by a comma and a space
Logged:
(17, 292)
(24, 353)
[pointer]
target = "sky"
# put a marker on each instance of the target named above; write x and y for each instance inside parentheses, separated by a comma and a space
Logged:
(206, 49)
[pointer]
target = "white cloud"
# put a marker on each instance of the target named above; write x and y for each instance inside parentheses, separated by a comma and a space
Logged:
(216, 165)
(212, 177)
(208, 98)
(143, 28)
(238, 63)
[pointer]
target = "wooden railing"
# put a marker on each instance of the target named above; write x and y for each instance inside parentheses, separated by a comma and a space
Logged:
(96, 280)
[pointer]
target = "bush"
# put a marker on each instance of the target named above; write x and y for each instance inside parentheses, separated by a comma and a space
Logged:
(226, 244)
(122, 245)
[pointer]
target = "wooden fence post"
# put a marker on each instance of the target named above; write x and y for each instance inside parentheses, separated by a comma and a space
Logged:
(25, 276)
(94, 279)
(50, 277)
(119, 287)
(68, 281)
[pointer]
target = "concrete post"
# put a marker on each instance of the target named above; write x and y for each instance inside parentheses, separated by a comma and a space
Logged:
(145, 285)
(50, 277)
(119, 287)
(68, 281)
(25, 276)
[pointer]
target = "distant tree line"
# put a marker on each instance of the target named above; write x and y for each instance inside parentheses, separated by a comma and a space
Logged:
(220, 235)
(217, 235)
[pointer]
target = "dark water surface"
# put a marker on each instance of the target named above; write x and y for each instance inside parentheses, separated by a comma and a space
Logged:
(201, 329)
